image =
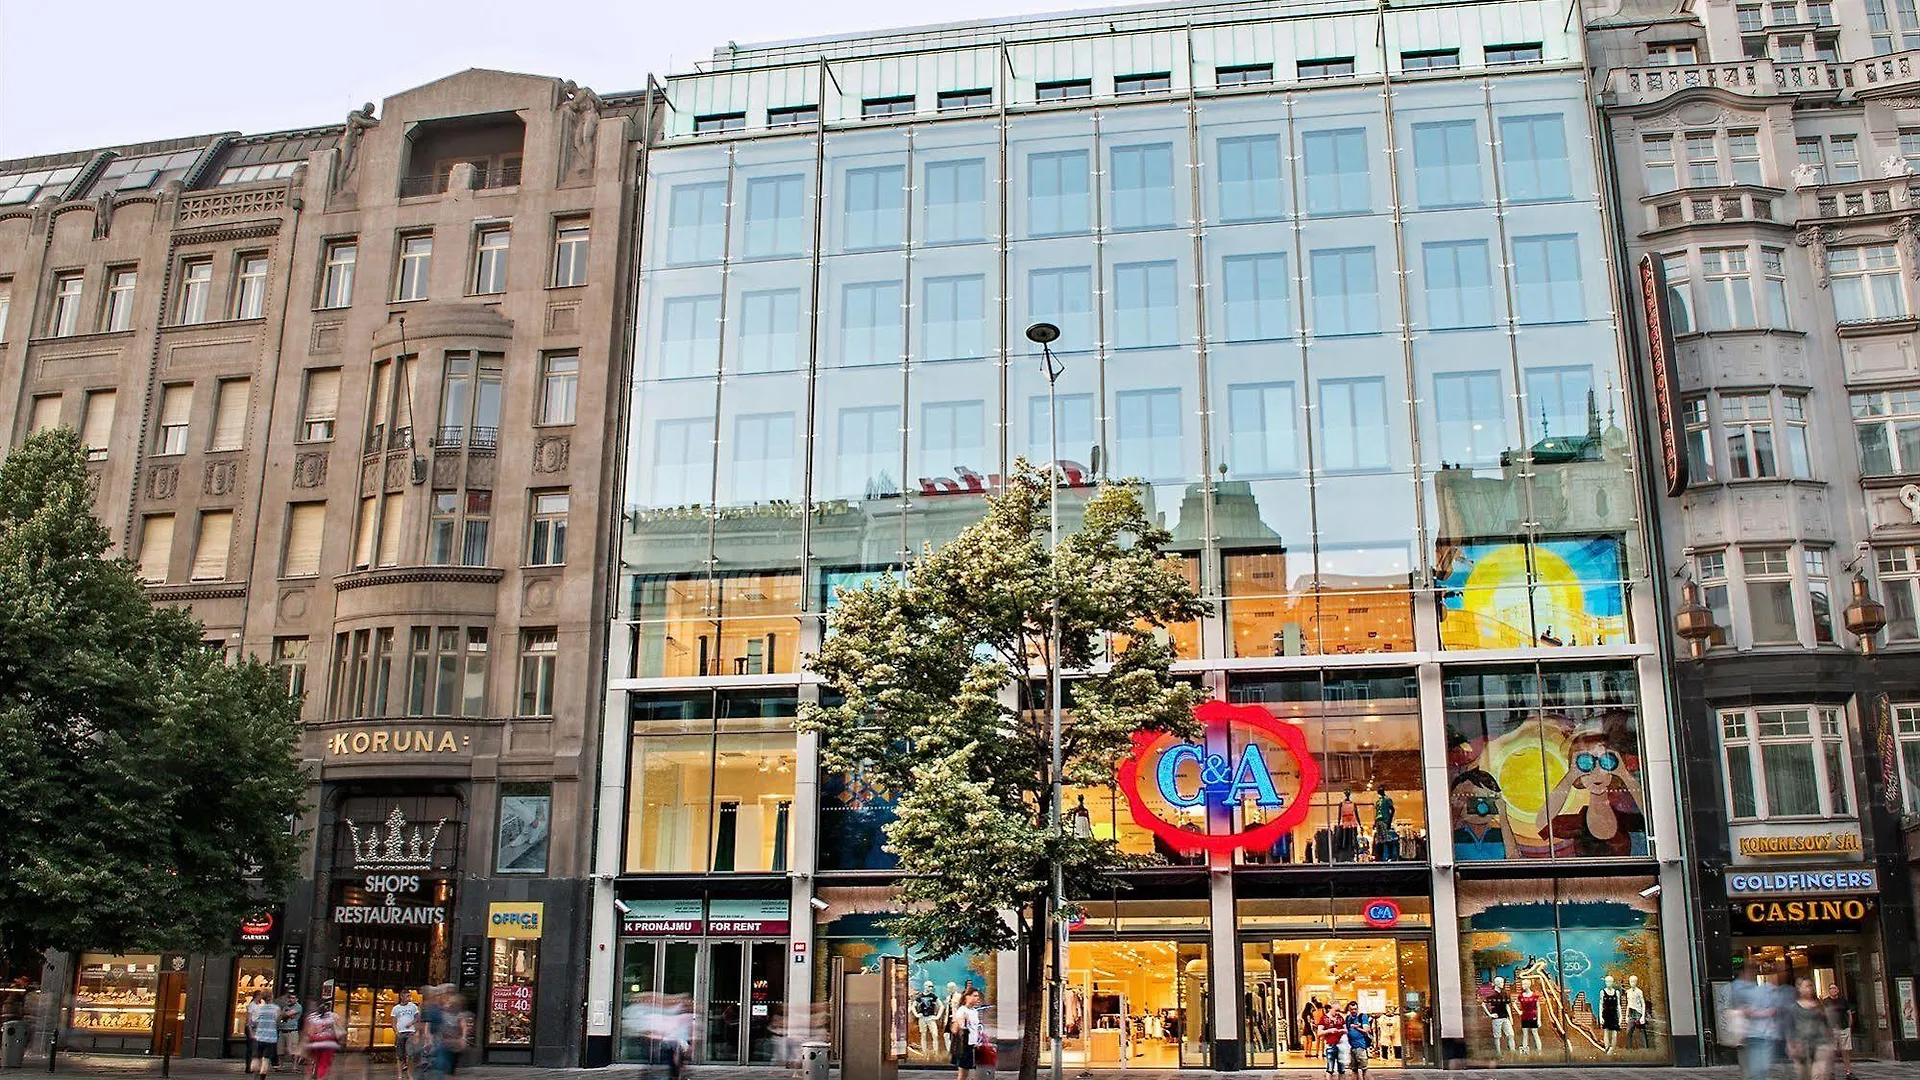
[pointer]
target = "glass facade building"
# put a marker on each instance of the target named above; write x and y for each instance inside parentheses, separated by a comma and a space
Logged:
(1336, 285)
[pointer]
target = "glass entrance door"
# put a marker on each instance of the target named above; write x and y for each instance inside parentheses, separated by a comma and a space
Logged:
(728, 998)
(657, 994)
(1285, 984)
(1136, 1004)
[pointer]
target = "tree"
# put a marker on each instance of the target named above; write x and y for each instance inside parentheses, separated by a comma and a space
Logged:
(146, 786)
(943, 676)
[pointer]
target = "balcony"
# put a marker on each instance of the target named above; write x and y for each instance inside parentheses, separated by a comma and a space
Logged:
(1711, 206)
(1889, 74)
(1859, 198)
(478, 439)
(485, 175)
(1760, 78)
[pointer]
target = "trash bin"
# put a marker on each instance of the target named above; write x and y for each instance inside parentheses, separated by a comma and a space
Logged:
(813, 1060)
(13, 1044)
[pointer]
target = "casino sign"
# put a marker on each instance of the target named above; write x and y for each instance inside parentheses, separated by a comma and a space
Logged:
(1245, 760)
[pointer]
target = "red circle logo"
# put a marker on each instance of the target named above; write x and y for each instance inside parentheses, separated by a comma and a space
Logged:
(1232, 763)
(1380, 912)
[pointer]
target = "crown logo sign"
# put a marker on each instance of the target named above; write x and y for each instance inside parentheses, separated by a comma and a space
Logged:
(399, 849)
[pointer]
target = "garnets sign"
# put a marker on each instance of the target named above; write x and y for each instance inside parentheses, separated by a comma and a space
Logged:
(1246, 783)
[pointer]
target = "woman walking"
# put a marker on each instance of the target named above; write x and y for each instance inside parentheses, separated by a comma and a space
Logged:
(1809, 1042)
(323, 1031)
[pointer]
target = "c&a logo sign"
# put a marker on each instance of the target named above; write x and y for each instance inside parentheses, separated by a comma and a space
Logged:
(1247, 766)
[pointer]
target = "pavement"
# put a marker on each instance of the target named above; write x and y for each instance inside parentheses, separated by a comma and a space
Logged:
(357, 1067)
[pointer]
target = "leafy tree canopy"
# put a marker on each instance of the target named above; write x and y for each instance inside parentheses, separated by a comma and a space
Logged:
(145, 785)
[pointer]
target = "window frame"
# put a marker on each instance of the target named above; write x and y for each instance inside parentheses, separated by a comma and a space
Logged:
(63, 320)
(539, 663)
(1827, 736)
(116, 315)
(550, 380)
(1242, 75)
(196, 293)
(547, 526)
(963, 100)
(492, 246)
(572, 240)
(412, 270)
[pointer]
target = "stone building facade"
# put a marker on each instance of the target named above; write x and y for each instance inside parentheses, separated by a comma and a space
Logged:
(351, 395)
(1764, 159)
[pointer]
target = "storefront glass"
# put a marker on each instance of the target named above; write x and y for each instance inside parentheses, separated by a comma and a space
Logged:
(712, 794)
(856, 941)
(1848, 960)
(1564, 971)
(1545, 763)
(1288, 981)
(251, 975)
(1136, 1004)
(511, 979)
(116, 995)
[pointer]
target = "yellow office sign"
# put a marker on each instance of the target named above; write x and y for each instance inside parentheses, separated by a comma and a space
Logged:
(516, 919)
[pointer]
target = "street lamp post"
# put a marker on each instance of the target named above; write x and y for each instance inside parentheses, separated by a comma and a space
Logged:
(1044, 335)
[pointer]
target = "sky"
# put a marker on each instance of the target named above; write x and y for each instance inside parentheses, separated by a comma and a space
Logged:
(122, 71)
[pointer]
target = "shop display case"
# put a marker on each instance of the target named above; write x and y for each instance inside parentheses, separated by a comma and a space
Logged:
(251, 975)
(116, 995)
(368, 1014)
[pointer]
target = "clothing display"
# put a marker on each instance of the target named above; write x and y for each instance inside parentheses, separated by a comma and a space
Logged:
(1610, 1002)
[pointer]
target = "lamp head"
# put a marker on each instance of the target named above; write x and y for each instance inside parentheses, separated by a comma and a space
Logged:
(1043, 333)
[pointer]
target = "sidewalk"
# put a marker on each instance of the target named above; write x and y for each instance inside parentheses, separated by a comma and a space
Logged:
(355, 1067)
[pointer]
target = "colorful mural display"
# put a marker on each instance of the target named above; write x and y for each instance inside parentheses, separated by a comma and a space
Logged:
(1515, 595)
(1553, 775)
(934, 986)
(1565, 971)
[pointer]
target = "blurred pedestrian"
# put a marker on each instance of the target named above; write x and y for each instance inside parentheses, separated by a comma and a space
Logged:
(322, 1031)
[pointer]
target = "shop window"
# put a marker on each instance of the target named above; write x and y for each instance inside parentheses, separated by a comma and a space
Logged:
(852, 933)
(1505, 594)
(1574, 966)
(1785, 763)
(251, 975)
(714, 784)
(116, 995)
(732, 624)
(512, 977)
(1279, 605)
(1388, 975)
(1545, 763)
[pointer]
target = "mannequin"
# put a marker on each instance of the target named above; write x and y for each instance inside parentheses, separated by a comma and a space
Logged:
(1637, 1018)
(1386, 842)
(1610, 1010)
(929, 1016)
(1390, 1034)
(1528, 1001)
(1082, 820)
(1346, 833)
(1499, 1008)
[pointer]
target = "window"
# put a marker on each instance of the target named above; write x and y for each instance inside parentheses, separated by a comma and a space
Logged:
(1743, 151)
(776, 217)
(119, 314)
(1345, 292)
(868, 461)
(1063, 296)
(1243, 75)
(230, 414)
(66, 304)
(1446, 164)
(1703, 160)
(156, 546)
(1147, 434)
(45, 414)
(953, 322)
(469, 401)
(1331, 67)
(1249, 175)
(1906, 726)
(1899, 569)
(143, 172)
(336, 275)
(459, 528)
(1770, 595)
(1785, 763)
(955, 201)
(176, 409)
(1699, 441)
(322, 405)
(1746, 420)
(689, 337)
(1750, 18)
(887, 106)
(1057, 193)
(876, 207)
(793, 116)
(870, 323)
(490, 260)
(547, 536)
(559, 387)
(539, 652)
(1886, 426)
(763, 449)
(250, 287)
(196, 284)
(1679, 296)
(1672, 53)
(1546, 274)
(1459, 280)
(1142, 178)
(952, 435)
(96, 427)
(1793, 413)
(18, 189)
(1066, 90)
(1152, 83)
(1783, 13)
(416, 256)
(1843, 159)
(1336, 168)
(683, 462)
(697, 223)
(212, 545)
(1656, 157)
(1866, 283)
(301, 555)
(447, 671)
(1888, 36)
(771, 332)
(1559, 397)
(1524, 53)
(289, 657)
(718, 122)
(1077, 431)
(1353, 425)
(954, 100)
(1467, 417)
(1729, 290)
(1812, 155)
(1430, 60)
(1260, 431)
(1146, 311)
(1820, 595)
(569, 253)
(1256, 297)
(1710, 572)
(6, 306)
(1533, 151)
(249, 174)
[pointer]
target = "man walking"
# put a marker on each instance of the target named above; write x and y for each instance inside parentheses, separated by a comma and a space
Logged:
(1838, 1010)
(406, 1016)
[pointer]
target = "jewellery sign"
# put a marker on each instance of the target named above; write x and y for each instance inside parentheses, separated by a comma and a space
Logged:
(1249, 766)
(1666, 398)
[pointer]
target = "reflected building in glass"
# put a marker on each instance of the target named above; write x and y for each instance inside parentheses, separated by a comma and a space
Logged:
(1336, 285)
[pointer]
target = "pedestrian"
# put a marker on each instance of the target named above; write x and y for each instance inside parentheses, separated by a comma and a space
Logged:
(1333, 1032)
(290, 1057)
(1754, 1009)
(1359, 1038)
(406, 1016)
(1809, 1043)
(263, 1034)
(966, 1033)
(323, 1031)
(1839, 1013)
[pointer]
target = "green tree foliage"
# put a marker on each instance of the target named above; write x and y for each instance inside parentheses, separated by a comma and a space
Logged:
(145, 785)
(944, 677)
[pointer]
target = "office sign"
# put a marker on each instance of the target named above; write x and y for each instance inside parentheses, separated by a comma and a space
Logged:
(517, 919)
(662, 918)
